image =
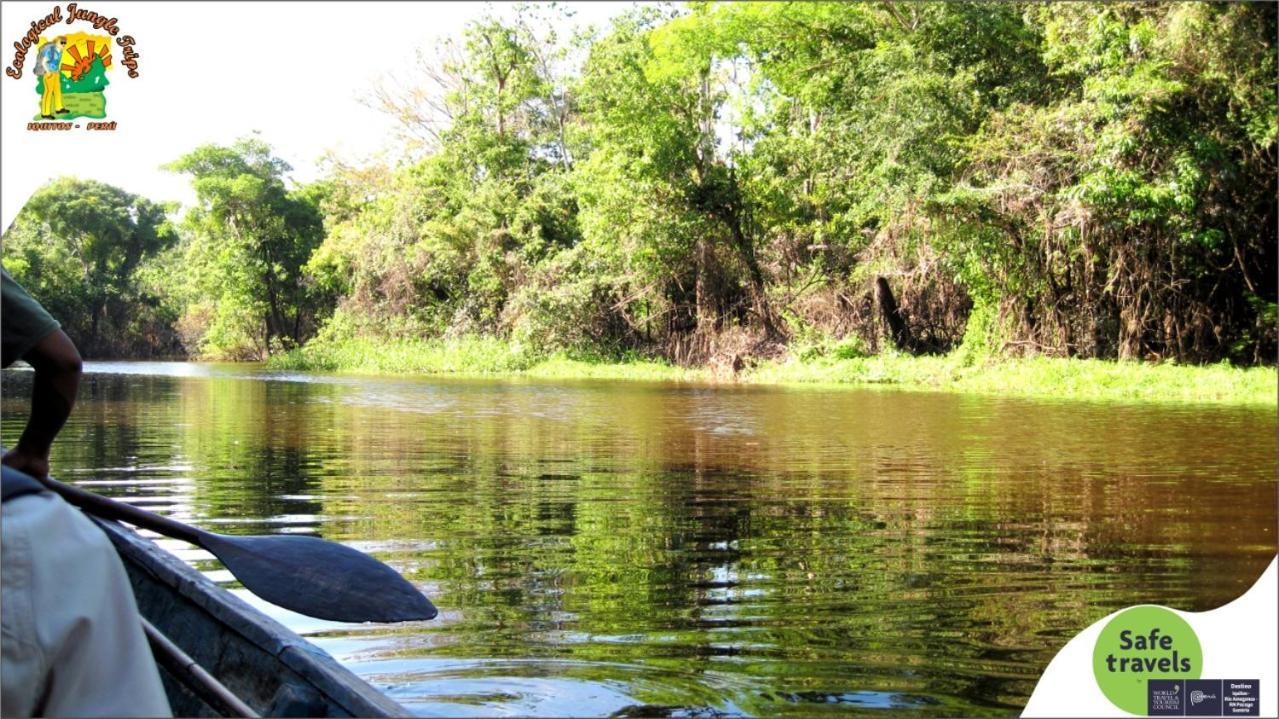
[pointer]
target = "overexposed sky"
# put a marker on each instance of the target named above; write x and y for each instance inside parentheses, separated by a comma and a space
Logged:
(213, 72)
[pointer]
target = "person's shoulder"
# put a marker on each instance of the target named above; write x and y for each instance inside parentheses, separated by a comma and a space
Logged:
(25, 323)
(66, 536)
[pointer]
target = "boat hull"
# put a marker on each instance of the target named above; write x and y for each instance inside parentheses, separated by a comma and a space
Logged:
(272, 669)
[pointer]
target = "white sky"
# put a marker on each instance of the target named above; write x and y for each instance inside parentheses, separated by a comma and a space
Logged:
(213, 72)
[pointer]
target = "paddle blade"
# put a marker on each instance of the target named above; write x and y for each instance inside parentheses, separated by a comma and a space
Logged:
(319, 578)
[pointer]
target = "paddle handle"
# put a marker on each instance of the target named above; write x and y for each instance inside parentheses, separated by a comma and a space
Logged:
(193, 676)
(100, 506)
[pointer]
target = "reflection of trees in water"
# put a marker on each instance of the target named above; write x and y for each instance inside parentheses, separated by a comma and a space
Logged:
(252, 451)
(120, 434)
(805, 543)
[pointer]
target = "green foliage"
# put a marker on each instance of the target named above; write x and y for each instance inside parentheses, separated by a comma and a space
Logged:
(983, 336)
(565, 307)
(1062, 179)
(81, 247)
(460, 355)
(1102, 214)
(1076, 179)
(442, 244)
(244, 295)
(1055, 378)
(840, 364)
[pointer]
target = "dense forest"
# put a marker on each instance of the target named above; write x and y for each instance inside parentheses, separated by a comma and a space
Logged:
(717, 183)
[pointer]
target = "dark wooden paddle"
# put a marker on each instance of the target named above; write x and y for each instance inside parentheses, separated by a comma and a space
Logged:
(308, 575)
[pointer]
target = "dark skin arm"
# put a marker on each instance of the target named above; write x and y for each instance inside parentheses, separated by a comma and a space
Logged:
(57, 368)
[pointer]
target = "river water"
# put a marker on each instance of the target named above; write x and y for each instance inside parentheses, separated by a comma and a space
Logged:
(627, 548)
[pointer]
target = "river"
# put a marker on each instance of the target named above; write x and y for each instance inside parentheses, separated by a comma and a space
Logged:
(626, 548)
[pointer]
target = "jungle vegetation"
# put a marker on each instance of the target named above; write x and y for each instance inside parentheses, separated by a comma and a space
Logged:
(724, 184)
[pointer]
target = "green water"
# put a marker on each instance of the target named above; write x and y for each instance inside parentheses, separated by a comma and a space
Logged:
(648, 549)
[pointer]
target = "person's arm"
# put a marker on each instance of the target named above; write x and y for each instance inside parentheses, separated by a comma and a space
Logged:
(57, 368)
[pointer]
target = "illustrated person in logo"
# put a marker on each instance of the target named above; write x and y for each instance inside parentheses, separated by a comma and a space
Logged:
(49, 66)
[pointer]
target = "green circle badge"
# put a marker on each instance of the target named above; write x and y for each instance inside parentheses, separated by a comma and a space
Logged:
(1140, 644)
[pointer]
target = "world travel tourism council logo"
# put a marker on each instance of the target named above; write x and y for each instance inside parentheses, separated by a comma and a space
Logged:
(71, 67)
(1148, 662)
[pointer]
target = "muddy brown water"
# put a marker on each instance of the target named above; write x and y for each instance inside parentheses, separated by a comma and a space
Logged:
(628, 548)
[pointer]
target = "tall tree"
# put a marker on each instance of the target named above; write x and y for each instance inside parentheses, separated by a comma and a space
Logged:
(250, 236)
(78, 246)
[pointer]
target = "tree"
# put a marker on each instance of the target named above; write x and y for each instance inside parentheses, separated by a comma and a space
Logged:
(657, 189)
(250, 236)
(78, 246)
(1129, 210)
(442, 242)
(1080, 179)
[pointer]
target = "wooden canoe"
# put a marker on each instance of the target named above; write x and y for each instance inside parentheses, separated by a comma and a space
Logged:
(270, 668)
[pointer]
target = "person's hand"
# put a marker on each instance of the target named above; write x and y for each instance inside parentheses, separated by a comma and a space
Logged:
(33, 463)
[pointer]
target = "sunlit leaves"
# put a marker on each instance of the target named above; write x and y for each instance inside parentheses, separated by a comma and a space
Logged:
(79, 246)
(248, 238)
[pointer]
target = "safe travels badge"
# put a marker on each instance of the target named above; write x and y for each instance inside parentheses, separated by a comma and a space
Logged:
(1148, 661)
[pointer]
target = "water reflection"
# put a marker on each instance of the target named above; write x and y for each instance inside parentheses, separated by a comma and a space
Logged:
(637, 549)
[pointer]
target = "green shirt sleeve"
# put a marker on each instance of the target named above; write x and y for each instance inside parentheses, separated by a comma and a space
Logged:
(23, 322)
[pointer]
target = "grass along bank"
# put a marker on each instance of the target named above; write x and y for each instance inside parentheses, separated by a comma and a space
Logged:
(1044, 377)
(1033, 377)
(467, 356)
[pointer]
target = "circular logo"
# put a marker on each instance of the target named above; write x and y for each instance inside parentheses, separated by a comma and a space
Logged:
(1140, 644)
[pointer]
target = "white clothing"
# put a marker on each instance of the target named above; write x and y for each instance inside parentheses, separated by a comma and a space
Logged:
(72, 641)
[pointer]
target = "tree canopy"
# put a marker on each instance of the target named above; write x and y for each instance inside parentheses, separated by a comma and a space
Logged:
(249, 237)
(715, 180)
(81, 248)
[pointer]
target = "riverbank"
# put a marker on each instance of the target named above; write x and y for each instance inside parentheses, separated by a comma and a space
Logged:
(1042, 377)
